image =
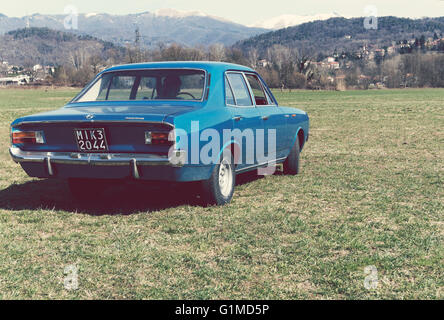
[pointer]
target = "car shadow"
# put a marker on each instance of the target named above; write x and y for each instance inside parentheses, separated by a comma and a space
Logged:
(126, 199)
(251, 176)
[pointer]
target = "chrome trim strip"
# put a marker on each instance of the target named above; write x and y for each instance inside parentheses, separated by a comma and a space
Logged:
(91, 121)
(102, 159)
(275, 161)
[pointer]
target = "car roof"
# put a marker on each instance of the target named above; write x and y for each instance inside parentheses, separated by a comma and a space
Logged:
(205, 65)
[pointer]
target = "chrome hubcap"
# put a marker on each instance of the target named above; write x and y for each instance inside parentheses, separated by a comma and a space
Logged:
(225, 178)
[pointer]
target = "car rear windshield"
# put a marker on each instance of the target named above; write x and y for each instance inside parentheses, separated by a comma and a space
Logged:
(154, 84)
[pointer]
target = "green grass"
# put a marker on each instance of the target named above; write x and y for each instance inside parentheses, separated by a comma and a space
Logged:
(370, 193)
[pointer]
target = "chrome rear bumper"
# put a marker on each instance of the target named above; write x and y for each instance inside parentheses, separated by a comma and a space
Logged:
(97, 159)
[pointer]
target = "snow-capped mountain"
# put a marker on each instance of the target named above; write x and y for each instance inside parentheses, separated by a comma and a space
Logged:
(290, 20)
(173, 13)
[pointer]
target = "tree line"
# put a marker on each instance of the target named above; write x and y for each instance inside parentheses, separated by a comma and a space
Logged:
(281, 67)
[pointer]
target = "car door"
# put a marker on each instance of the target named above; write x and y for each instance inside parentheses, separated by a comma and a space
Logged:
(246, 117)
(273, 119)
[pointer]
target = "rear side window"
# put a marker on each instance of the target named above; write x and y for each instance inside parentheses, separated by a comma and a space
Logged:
(258, 92)
(229, 94)
(240, 89)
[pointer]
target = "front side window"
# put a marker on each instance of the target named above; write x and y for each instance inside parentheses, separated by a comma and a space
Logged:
(240, 89)
(153, 84)
(258, 91)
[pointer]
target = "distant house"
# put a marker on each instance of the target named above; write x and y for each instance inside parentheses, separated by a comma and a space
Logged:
(17, 81)
(334, 65)
(49, 69)
(263, 63)
(379, 52)
(37, 67)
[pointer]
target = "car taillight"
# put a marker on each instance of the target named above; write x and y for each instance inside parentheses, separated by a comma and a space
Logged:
(32, 137)
(158, 138)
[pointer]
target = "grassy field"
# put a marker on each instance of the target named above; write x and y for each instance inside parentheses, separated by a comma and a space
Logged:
(370, 193)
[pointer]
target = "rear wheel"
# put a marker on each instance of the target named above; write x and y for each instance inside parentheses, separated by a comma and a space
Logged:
(219, 189)
(291, 164)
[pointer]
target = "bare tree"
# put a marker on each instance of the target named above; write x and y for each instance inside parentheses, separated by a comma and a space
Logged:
(253, 57)
(303, 60)
(217, 52)
(96, 62)
(278, 54)
(78, 58)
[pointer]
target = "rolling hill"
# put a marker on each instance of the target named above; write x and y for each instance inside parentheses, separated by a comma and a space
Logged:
(26, 47)
(163, 26)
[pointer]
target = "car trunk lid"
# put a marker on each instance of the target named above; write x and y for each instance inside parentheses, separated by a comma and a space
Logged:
(124, 127)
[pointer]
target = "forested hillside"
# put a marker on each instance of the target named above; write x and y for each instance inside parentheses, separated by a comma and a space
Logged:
(323, 37)
(49, 47)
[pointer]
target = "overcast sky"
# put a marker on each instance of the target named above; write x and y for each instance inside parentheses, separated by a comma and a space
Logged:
(241, 11)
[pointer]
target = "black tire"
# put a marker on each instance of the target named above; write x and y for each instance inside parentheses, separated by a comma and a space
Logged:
(212, 192)
(291, 164)
(86, 190)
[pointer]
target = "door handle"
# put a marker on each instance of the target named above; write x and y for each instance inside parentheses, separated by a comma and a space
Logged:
(237, 118)
(265, 118)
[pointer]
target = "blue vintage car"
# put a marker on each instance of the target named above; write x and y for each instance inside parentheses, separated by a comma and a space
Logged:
(172, 121)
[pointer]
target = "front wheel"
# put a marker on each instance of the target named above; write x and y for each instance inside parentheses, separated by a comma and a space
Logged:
(291, 164)
(219, 189)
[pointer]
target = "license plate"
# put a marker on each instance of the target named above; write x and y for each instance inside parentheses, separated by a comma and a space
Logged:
(91, 140)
